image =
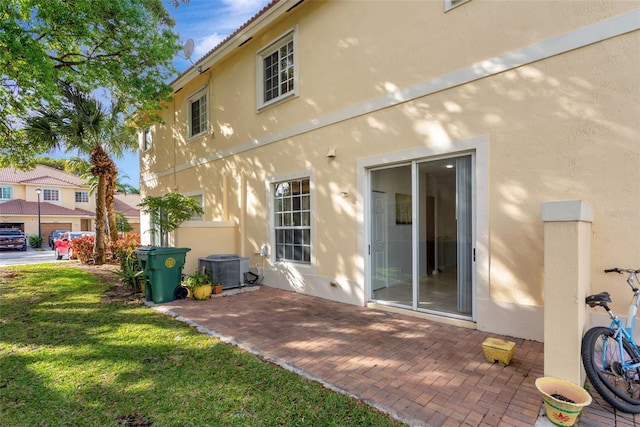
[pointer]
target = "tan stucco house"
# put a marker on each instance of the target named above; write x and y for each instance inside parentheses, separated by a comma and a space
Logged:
(399, 154)
(65, 202)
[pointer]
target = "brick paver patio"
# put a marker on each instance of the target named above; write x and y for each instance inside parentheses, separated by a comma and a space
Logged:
(421, 372)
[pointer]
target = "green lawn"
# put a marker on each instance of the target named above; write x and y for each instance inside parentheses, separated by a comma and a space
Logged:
(68, 359)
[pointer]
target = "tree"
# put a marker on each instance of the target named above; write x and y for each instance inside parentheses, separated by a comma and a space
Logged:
(168, 212)
(82, 124)
(123, 223)
(60, 164)
(125, 48)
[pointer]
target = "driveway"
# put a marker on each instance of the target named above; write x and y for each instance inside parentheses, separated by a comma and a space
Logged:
(30, 256)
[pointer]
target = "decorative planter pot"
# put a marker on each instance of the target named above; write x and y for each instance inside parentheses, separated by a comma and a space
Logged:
(217, 289)
(563, 400)
(202, 292)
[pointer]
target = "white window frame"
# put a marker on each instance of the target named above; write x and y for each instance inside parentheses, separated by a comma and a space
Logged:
(272, 226)
(146, 140)
(4, 191)
(204, 127)
(198, 195)
(288, 37)
(451, 4)
(50, 192)
(86, 193)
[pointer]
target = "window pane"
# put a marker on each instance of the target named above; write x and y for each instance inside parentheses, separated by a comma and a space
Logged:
(278, 72)
(295, 187)
(293, 223)
(195, 118)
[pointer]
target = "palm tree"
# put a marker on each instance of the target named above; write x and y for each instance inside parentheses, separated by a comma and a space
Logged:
(82, 124)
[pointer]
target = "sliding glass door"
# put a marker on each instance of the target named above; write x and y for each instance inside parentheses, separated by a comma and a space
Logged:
(422, 235)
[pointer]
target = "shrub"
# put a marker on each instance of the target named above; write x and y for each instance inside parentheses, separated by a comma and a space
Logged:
(82, 248)
(124, 251)
(35, 241)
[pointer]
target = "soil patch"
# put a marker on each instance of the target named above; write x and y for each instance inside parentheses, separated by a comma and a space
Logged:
(118, 291)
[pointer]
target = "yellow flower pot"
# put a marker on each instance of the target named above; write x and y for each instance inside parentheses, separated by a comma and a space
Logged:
(202, 292)
(559, 411)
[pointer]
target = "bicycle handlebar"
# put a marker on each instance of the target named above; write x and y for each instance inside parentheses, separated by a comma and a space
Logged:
(621, 270)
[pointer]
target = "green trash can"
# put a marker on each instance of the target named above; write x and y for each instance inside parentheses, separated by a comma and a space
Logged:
(162, 270)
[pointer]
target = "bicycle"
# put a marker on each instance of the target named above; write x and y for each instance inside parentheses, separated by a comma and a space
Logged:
(610, 355)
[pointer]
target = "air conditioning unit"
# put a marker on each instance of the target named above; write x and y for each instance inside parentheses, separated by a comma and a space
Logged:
(228, 269)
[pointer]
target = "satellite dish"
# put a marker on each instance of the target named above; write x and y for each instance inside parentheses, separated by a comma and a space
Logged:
(188, 49)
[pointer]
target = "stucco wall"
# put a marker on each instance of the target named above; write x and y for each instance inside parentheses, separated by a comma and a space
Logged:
(561, 127)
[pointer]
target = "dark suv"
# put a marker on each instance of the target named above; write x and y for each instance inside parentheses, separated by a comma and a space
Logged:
(12, 238)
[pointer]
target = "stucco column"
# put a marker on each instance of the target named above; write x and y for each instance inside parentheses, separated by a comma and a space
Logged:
(567, 277)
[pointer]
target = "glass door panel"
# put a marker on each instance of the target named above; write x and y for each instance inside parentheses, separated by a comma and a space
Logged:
(429, 222)
(444, 229)
(391, 236)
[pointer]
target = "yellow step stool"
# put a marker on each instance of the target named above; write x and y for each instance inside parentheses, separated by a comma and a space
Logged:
(497, 350)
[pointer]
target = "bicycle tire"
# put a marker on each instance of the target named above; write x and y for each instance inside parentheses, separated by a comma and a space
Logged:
(621, 393)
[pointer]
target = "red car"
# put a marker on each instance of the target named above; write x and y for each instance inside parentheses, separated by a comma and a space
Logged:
(63, 243)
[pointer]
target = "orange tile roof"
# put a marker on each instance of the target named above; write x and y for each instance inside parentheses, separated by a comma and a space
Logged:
(22, 207)
(127, 204)
(41, 175)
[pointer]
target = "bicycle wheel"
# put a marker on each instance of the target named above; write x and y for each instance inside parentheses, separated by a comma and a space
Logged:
(602, 362)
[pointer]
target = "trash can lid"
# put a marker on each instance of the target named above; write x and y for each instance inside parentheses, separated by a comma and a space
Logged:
(163, 250)
(143, 249)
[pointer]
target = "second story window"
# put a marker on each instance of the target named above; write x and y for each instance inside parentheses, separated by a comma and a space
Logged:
(5, 193)
(82, 197)
(49, 195)
(277, 66)
(198, 121)
(146, 140)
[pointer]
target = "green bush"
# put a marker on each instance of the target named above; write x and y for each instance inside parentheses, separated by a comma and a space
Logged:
(35, 241)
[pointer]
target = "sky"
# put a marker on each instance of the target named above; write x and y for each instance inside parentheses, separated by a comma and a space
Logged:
(207, 22)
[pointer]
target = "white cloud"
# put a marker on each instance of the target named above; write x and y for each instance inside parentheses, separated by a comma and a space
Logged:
(208, 22)
(204, 45)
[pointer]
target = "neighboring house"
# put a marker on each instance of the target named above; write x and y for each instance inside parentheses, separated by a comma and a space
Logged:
(65, 202)
(397, 154)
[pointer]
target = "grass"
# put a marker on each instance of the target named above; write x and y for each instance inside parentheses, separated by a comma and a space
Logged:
(68, 359)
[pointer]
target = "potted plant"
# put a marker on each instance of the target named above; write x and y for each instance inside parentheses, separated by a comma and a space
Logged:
(563, 400)
(217, 286)
(199, 284)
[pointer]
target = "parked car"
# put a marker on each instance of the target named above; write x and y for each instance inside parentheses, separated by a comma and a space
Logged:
(55, 234)
(12, 238)
(62, 246)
